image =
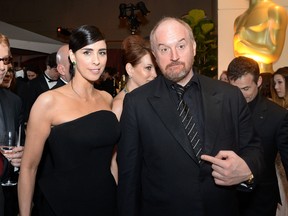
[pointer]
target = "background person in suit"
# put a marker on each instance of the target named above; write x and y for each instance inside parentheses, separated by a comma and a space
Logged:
(280, 96)
(271, 123)
(63, 65)
(42, 83)
(159, 173)
(10, 119)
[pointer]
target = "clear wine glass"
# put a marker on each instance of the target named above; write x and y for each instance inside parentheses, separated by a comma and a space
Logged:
(8, 141)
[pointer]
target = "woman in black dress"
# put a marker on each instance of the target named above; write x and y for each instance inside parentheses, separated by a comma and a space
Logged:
(79, 131)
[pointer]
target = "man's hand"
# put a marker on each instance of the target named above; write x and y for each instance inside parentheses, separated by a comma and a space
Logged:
(228, 168)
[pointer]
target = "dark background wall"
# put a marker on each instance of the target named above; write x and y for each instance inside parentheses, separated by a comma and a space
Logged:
(43, 17)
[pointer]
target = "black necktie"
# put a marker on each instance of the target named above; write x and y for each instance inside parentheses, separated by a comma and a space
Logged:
(188, 122)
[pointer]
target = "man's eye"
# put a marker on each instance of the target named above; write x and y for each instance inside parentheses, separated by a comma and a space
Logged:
(181, 46)
(163, 49)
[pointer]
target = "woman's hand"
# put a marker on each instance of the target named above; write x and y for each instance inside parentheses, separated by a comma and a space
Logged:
(15, 156)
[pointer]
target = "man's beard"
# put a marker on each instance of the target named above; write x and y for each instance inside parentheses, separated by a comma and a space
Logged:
(175, 76)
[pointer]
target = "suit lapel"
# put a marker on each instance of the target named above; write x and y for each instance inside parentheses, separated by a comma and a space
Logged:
(7, 109)
(212, 106)
(166, 110)
(44, 85)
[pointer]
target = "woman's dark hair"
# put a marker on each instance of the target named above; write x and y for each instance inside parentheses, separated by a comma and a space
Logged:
(283, 71)
(81, 37)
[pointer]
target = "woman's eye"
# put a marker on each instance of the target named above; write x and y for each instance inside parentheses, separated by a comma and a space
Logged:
(103, 53)
(87, 53)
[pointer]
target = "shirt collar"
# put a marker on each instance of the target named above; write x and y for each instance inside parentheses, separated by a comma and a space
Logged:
(194, 81)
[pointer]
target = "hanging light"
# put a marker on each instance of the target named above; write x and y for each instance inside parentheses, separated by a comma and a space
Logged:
(127, 11)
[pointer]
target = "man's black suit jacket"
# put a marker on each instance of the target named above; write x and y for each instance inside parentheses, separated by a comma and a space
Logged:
(59, 84)
(12, 109)
(158, 172)
(271, 123)
(11, 106)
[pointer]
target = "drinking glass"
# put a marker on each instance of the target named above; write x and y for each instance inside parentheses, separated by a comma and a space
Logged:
(8, 141)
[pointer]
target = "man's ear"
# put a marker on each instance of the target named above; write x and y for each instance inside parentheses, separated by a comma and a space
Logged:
(60, 69)
(259, 82)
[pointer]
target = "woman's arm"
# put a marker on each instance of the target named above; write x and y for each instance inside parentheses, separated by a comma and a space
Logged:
(38, 129)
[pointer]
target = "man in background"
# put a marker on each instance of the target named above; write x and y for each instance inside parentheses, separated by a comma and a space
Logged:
(271, 123)
(10, 119)
(42, 83)
(63, 66)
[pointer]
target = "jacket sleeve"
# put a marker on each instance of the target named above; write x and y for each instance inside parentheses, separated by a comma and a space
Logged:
(129, 158)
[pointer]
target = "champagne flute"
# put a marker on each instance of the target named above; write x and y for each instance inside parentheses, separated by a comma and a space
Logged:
(8, 141)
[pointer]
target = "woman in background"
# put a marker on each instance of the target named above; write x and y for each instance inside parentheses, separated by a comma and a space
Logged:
(280, 96)
(140, 66)
(81, 131)
(280, 81)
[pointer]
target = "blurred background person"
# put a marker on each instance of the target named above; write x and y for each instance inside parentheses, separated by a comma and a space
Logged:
(280, 96)
(10, 120)
(107, 81)
(271, 123)
(9, 81)
(140, 66)
(42, 83)
(63, 65)
(32, 72)
(280, 81)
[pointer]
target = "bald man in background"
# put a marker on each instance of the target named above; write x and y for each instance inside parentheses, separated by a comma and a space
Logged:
(63, 65)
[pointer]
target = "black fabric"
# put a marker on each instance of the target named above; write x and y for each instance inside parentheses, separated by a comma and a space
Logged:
(75, 178)
(2, 122)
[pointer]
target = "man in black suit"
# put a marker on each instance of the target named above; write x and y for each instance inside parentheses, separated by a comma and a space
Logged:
(159, 172)
(42, 83)
(271, 123)
(10, 119)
